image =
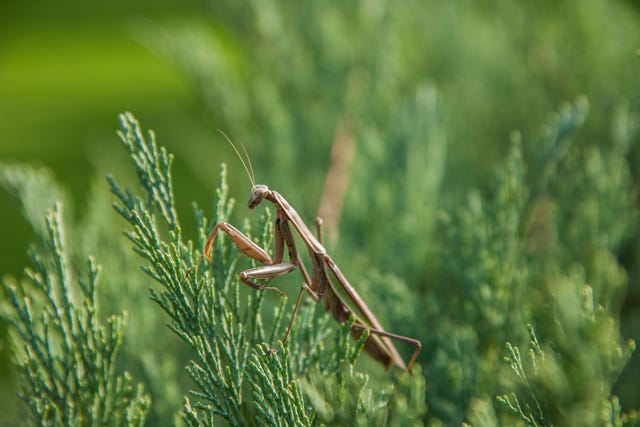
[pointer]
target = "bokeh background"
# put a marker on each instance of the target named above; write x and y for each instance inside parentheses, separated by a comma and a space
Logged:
(485, 68)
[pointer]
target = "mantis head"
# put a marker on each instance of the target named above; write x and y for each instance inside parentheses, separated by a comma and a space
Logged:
(258, 192)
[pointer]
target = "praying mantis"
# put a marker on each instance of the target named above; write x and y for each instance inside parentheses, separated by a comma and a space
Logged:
(326, 282)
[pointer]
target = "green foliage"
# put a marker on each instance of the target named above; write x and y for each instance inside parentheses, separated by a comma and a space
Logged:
(612, 416)
(540, 250)
(545, 381)
(67, 355)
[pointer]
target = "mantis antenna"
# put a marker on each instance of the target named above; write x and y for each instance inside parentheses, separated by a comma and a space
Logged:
(253, 176)
(249, 169)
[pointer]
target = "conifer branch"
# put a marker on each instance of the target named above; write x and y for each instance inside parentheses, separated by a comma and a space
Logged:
(67, 355)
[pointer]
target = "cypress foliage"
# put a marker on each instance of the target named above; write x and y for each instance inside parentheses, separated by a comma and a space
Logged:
(66, 353)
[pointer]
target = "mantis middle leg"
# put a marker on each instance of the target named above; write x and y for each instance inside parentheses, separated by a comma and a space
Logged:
(309, 283)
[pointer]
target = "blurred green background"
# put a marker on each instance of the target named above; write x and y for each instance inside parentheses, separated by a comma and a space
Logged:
(67, 69)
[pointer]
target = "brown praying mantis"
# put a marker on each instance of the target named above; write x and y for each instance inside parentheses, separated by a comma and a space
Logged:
(326, 282)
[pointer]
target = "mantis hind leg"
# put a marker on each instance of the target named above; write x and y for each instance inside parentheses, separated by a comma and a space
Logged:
(414, 342)
(381, 349)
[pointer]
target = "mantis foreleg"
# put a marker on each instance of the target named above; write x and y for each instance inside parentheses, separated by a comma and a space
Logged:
(273, 268)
